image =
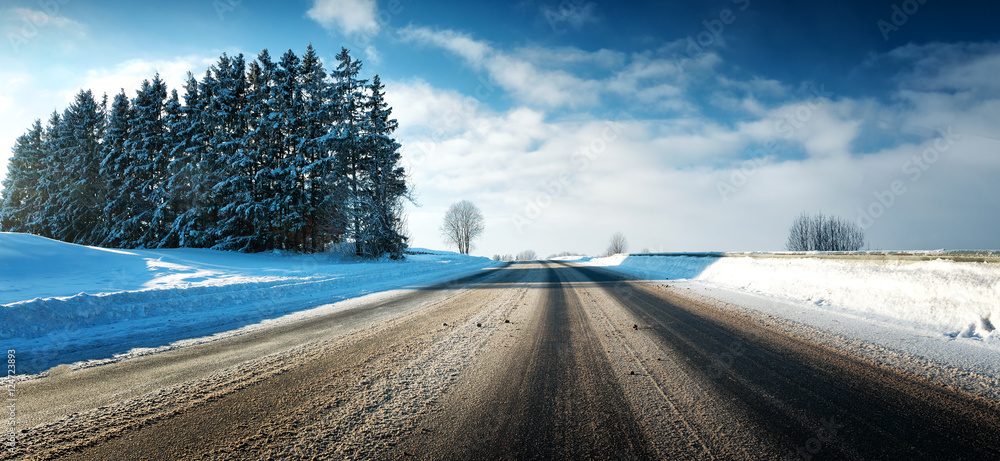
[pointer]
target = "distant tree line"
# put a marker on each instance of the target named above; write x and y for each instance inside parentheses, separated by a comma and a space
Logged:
(260, 156)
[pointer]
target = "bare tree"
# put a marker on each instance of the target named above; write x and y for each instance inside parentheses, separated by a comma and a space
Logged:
(618, 244)
(462, 223)
(824, 233)
(527, 255)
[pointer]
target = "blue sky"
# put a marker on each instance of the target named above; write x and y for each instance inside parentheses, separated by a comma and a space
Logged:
(700, 125)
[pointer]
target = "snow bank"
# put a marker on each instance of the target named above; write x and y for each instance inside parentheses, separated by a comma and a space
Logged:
(61, 303)
(954, 298)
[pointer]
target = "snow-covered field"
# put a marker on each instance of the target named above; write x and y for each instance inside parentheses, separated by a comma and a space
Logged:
(63, 303)
(956, 299)
(937, 312)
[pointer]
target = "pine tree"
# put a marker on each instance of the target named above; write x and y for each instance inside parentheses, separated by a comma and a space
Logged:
(349, 161)
(142, 168)
(235, 193)
(114, 163)
(287, 197)
(262, 144)
(386, 185)
(187, 187)
(319, 114)
(77, 193)
(167, 207)
(21, 199)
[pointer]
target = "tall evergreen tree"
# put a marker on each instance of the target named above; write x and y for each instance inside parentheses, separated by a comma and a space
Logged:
(144, 167)
(262, 144)
(188, 186)
(349, 162)
(78, 197)
(115, 163)
(50, 179)
(318, 179)
(21, 199)
(234, 191)
(166, 205)
(386, 183)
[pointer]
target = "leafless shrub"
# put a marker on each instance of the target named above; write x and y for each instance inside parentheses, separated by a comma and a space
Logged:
(617, 245)
(824, 233)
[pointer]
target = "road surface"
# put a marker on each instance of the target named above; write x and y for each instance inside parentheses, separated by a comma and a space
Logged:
(532, 361)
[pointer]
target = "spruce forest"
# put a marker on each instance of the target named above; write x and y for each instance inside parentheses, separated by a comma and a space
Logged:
(253, 157)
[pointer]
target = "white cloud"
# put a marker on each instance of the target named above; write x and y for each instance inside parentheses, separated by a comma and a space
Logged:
(570, 77)
(129, 75)
(557, 184)
(348, 17)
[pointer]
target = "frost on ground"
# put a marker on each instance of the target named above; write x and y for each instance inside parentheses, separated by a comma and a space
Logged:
(63, 303)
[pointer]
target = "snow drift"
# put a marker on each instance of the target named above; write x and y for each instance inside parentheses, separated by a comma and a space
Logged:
(953, 298)
(61, 303)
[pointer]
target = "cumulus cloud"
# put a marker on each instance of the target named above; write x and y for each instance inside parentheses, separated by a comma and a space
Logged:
(692, 182)
(129, 75)
(348, 17)
(570, 77)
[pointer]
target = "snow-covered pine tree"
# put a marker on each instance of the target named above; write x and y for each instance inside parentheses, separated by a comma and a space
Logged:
(386, 186)
(21, 199)
(262, 142)
(144, 166)
(114, 162)
(319, 115)
(236, 226)
(78, 195)
(349, 161)
(188, 186)
(288, 202)
(166, 209)
(49, 179)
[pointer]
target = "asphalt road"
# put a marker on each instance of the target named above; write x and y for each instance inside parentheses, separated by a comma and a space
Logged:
(532, 361)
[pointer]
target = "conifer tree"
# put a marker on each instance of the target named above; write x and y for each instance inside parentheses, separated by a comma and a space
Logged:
(21, 200)
(386, 185)
(114, 163)
(187, 185)
(349, 161)
(78, 195)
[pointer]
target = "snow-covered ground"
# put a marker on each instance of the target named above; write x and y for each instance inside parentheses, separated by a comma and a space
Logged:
(953, 298)
(942, 311)
(63, 303)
